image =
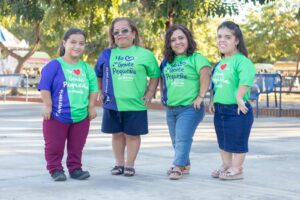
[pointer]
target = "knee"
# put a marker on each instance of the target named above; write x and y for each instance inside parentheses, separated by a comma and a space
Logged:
(54, 149)
(184, 140)
(133, 138)
(118, 136)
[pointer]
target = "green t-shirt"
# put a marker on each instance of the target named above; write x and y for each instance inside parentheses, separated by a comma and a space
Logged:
(129, 69)
(182, 79)
(229, 74)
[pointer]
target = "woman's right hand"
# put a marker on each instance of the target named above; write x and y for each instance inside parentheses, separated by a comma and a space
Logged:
(211, 107)
(100, 97)
(47, 112)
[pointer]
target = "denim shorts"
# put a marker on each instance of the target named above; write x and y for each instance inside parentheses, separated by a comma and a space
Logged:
(129, 122)
(233, 130)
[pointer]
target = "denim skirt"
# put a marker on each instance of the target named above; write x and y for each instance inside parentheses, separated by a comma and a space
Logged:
(233, 129)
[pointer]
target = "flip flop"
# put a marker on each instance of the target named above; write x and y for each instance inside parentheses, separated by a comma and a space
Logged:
(216, 173)
(129, 171)
(117, 170)
(185, 170)
(175, 174)
(231, 174)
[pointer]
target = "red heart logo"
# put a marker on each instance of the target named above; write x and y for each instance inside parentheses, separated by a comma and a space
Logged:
(76, 71)
(223, 66)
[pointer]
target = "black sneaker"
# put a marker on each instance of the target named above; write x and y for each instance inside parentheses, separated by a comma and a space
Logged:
(79, 174)
(58, 176)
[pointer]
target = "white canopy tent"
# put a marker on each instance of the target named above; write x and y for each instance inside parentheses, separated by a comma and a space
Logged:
(12, 43)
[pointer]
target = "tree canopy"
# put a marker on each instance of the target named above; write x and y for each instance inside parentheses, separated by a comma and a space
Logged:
(273, 33)
(43, 22)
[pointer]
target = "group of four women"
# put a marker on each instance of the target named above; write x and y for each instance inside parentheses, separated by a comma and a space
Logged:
(69, 90)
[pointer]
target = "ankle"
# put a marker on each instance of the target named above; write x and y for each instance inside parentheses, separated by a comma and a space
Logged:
(237, 168)
(225, 166)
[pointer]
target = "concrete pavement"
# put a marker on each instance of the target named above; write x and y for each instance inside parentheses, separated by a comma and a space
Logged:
(271, 168)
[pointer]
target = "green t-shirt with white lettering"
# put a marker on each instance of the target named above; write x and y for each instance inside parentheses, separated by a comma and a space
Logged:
(229, 74)
(129, 70)
(181, 79)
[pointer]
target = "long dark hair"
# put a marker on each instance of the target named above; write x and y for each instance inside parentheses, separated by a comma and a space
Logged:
(112, 42)
(169, 54)
(241, 47)
(66, 36)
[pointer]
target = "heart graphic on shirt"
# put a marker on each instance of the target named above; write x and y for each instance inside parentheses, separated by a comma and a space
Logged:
(76, 71)
(223, 66)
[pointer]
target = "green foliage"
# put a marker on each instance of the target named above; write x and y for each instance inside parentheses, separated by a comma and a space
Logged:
(94, 17)
(24, 10)
(273, 33)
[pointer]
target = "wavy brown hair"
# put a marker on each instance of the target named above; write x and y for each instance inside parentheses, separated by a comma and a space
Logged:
(112, 42)
(169, 54)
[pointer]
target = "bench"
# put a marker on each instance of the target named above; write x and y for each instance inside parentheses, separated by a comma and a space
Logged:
(9, 81)
(267, 84)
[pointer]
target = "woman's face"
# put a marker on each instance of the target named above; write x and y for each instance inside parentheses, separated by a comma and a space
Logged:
(74, 45)
(227, 42)
(179, 42)
(123, 34)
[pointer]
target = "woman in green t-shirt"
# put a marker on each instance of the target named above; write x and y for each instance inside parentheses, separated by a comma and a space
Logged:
(122, 71)
(185, 79)
(232, 79)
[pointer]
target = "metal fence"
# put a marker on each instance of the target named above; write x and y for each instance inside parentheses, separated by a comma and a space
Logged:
(12, 81)
(292, 82)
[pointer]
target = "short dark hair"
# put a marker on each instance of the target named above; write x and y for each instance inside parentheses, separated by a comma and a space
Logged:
(168, 52)
(66, 36)
(237, 33)
(112, 42)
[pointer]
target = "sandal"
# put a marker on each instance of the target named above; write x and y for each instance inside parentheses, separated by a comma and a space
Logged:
(129, 171)
(231, 174)
(175, 173)
(185, 170)
(117, 170)
(216, 173)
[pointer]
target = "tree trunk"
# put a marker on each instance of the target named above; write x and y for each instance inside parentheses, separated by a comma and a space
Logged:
(170, 18)
(296, 73)
(22, 60)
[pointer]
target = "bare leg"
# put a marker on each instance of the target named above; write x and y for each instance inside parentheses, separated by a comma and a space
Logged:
(227, 158)
(133, 145)
(118, 145)
(238, 161)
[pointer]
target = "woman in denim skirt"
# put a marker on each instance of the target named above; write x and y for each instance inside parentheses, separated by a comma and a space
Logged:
(232, 79)
(185, 80)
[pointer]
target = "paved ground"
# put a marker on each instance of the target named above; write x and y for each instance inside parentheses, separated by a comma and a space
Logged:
(271, 169)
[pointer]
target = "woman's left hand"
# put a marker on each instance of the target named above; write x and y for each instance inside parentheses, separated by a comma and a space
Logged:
(197, 103)
(148, 97)
(241, 106)
(92, 113)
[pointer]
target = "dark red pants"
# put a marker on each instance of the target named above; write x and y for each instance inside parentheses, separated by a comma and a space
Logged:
(56, 134)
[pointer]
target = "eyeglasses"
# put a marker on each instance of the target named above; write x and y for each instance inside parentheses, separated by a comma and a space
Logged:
(122, 32)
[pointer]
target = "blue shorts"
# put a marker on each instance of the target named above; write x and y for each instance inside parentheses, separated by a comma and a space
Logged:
(233, 130)
(129, 122)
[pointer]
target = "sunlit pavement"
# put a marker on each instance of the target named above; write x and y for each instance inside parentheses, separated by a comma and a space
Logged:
(271, 168)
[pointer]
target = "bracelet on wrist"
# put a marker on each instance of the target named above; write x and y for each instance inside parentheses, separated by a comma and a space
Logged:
(201, 97)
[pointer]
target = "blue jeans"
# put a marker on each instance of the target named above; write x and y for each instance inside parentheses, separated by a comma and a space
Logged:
(182, 123)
